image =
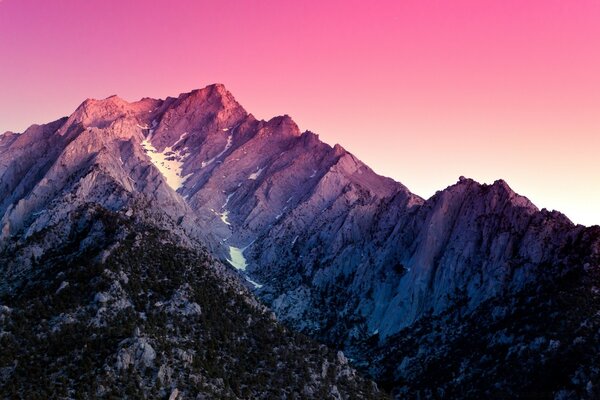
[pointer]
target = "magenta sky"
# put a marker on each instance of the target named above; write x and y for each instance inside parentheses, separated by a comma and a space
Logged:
(423, 90)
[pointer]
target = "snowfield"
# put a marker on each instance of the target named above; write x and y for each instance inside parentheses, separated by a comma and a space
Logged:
(236, 258)
(253, 176)
(168, 162)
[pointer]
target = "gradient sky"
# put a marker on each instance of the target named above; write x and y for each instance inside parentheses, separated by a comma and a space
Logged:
(423, 91)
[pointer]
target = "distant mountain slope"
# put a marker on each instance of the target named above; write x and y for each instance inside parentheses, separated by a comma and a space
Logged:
(336, 251)
(541, 342)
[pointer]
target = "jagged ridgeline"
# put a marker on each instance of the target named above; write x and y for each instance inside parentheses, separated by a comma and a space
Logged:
(431, 298)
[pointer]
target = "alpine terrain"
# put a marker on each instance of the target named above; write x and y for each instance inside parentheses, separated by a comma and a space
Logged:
(182, 248)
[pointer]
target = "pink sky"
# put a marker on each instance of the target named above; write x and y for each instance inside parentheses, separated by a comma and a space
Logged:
(423, 91)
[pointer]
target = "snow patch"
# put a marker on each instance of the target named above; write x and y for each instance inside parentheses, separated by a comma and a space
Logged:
(227, 146)
(222, 215)
(256, 285)
(229, 196)
(236, 258)
(281, 213)
(253, 176)
(183, 136)
(168, 162)
(63, 285)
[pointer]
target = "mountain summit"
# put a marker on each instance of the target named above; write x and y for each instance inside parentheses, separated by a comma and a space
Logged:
(352, 259)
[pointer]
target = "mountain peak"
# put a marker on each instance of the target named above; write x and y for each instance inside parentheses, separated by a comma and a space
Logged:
(499, 189)
(218, 87)
(338, 150)
(94, 112)
(498, 184)
(501, 183)
(216, 92)
(110, 100)
(212, 99)
(285, 125)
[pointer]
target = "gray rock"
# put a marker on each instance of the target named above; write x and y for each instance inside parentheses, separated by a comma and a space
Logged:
(102, 297)
(139, 354)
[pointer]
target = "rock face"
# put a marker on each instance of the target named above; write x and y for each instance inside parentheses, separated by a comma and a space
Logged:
(336, 251)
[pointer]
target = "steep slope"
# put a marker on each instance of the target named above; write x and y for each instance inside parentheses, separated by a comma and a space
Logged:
(107, 291)
(280, 189)
(539, 342)
(353, 258)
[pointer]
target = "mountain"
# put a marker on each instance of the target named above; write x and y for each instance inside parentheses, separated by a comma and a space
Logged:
(473, 279)
(107, 290)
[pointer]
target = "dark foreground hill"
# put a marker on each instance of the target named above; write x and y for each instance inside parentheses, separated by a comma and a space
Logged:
(121, 309)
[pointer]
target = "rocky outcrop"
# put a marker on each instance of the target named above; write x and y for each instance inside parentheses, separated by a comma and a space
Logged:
(137, 353)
